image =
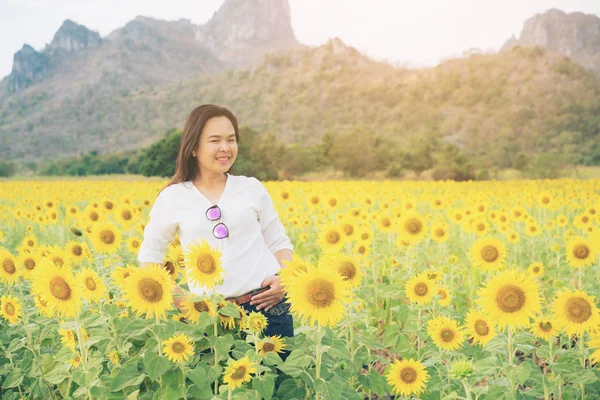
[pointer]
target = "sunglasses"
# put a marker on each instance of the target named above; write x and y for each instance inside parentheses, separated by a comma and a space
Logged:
(220, 231)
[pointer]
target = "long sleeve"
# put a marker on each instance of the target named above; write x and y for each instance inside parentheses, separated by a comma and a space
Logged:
(160, 230)
(271, 227)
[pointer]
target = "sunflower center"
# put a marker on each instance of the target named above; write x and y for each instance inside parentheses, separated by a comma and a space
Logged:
(9, 266)
(386, 222)
(268, 346)
(60, 288)
(348, 229)
(90, 283)
(178, 347)
(545, 326)
(332, 202)
(510, 298)
(545, 200)
(314, 200)
(442, 294)
(536, 269)
(206, 264)
(126, 215)
(58, 261)
(439, 232)
(135, 244)
(481, 227)
(421, 289)
(481, 327)
(30, 243)
(447, 335)
(239, 372)
(200, 306)
(489, 253)
(9, 309)
(77, 250)
(169, 267)
(320, 292)
(29, 264)
(150, 290)
(581, 251)
(347, 270)
(578, 310)
(364, 236)
(107, 237)
(408, 375)
(413, 226)
(332, 237)
(94, 216)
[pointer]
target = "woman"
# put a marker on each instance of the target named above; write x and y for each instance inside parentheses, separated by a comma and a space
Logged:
(234, 214)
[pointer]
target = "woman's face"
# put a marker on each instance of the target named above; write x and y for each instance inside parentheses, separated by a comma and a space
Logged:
(217, 148)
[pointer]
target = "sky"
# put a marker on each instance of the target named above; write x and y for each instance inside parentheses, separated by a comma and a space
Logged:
(403, 32)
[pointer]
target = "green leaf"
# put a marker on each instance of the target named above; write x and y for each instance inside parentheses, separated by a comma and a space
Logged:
(198, 375)
(230, 310)
(15, 345)
(14, 379)
(289, 389)
(59, 373)
(265, 386)
(169, 393)
(155, 365)
(223, 344)
(296, 361)
(126, 377)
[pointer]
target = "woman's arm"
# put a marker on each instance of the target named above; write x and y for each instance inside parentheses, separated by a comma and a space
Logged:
(283, 254)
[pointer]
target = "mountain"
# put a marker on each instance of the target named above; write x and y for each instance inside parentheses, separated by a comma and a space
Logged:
(575, 35)
(147, 51)
(495, 106)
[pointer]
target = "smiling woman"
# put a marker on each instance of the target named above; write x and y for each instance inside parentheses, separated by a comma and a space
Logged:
(211, 209)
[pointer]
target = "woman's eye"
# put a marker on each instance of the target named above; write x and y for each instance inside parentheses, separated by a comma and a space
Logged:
(231, 140)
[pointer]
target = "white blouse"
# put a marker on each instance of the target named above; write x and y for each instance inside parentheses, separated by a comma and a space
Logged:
(255, 231)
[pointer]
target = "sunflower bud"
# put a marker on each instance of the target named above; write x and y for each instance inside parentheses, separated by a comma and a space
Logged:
(462, 369)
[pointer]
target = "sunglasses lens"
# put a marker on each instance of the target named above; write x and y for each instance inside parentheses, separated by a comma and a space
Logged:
(213, 213)
(220, 231)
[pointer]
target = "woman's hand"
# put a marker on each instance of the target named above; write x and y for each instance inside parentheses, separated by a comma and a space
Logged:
(270, 297)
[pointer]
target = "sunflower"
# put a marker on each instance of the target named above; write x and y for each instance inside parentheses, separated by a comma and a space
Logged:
(203, 265)
(536, 269)
(9, 271)
(362, 249)
(133, 244)
(512, 237)
(364, 235)
(445, 333)
(293, 268)
(544, 328)
(318, 296)
(331, 237)
(67, 338)
(27, 262)
(29, 242)
(75, 361)
(412, 227)
(271, 343)
(420, 289)
(120, 274)
(148, 290)
(10, 309)
(93, 288)
(58, 256)
(440, 232)
(58, 288)
(175, 255)
(445, 296)
(77, 251)
(533, 229)
(407, 377)
(256, 322)
(106, 238)
(113, 357)
(575, 312)
(91, 215)
(238, 372)
(346, 266)
(193, 309)
(171, 269)
(227, 321)
(580, 252)
(510, 299)
(178, 348)
(488, 254)
(125, 216)
(479, 328)
(385, 223)
(349, 228)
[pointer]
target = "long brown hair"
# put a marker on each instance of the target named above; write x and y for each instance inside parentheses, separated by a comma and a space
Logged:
(187, 165)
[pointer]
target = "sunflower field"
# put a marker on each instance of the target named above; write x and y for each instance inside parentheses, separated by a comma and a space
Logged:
(474, 290)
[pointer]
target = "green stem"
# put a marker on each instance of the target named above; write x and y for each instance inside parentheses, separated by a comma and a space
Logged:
(467, 391)
(510, 349)
(582, 346)
(257, 355)
(418, 330)
(216, 334)
(83, 351)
